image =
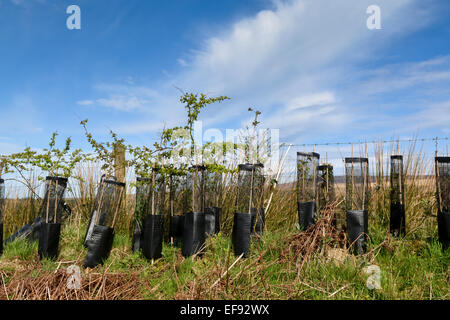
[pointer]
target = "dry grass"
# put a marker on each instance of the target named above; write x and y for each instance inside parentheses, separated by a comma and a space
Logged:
(38, 284)
(317, 239)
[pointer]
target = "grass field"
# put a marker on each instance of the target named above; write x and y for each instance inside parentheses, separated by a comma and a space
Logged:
(283, 264)
(410, 269)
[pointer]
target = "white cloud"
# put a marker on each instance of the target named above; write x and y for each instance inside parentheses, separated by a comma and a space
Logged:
(123, 103)
(432, 116)
(406, 75)
(289, 63)
(311, 100)
(299, 63)
(182, 62)
(85, 102)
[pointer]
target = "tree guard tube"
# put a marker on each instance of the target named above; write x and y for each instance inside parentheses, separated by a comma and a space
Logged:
(52, 207)
(326, 193)
(307, 181)
(24, 232)
(397, 222)
(258, 221)
(49, 240)
(2, 205)
(178, 206)
(442, 167)
(99, 238)
(357, 201)
(176, 229)
(99, 246)
(193, 233)
(306, 212)
(194, 220)
(212, 220)
(106, 206)
(213, 192)
(357, 226)
(153, 225)
(153, 236)
(248, 204)
(241, 234)
(31, 230)
(52, 210)
(142, 208)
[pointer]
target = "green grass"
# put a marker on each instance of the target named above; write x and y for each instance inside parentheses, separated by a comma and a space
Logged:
(410, 269)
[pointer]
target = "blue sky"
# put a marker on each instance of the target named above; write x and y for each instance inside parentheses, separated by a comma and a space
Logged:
(311, 66)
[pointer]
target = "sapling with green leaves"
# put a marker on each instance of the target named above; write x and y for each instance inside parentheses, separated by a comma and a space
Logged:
(57, 164)
(52, 161)
(106, 152)
(193, 104)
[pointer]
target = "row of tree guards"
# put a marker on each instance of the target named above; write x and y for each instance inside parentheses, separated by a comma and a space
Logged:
(193, 209)
(315, 189)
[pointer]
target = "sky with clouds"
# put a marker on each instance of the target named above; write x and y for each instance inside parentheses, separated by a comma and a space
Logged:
(312, 67)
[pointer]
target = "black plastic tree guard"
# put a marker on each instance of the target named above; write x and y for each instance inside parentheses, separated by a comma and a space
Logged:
(176, 229)
(193, 234)
(154, 218)
(357, 228)
(194, 220)
(2, 206)
(442, 167)
(249, 216)
(241, 234)
(153, 236)
(99, 246)
(138, 237)
(100, 234)
(105, 202)
(212, 220)
(143, 194)
(357, 195)
(30, 231)
(178, 199)
(52, 207)
(49, 240)
(397, 222)
(48, 229)
(307, 181)
(306, 213)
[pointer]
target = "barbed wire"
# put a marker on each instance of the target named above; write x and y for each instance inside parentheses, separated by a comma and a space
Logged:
(286, 144)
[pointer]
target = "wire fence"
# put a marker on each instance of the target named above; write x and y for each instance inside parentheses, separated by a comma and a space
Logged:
(377, 151)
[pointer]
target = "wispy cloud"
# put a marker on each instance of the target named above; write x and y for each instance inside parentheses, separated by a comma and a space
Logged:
(312, 100)
(85, 102)
(407, 74)
(300, 63)
(123, 103)
(434, 115)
